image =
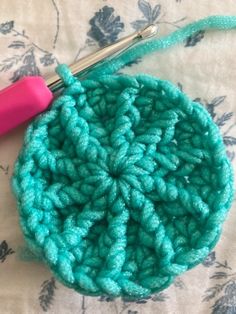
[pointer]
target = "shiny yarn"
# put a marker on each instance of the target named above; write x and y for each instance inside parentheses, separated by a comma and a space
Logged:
(122, 185)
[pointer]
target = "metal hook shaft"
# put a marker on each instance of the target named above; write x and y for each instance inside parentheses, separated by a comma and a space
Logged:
(54, 82)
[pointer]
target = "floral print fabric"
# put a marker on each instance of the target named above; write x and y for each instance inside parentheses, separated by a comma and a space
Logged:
(35, 36)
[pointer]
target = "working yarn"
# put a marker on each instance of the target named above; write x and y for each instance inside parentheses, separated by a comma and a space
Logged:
(122, 185)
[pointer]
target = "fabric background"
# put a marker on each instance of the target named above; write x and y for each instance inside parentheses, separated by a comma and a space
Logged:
(34, 37)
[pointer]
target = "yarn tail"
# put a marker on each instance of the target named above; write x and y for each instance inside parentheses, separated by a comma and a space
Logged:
(216, 22)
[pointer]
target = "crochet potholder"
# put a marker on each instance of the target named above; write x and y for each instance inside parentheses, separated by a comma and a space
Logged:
(122, 185)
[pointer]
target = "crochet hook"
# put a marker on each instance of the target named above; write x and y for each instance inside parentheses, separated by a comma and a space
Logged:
(32, 95)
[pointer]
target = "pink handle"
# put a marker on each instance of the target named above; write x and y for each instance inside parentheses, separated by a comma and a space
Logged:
(22, 101)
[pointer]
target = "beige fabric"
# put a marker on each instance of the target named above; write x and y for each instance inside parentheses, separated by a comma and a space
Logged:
(207, 71)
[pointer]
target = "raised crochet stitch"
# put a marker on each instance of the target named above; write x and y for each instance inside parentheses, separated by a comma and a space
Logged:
(122, 185)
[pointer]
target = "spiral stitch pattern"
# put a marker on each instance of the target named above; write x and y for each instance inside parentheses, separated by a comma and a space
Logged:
(122, 185)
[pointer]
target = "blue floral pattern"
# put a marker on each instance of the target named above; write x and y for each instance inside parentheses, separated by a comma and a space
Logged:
(46, 294)
(105, 26)
(150, 14)
(224, 121)
(25, 59)
(4, 251)
(223, 292)
(6, 27)
(194, 39)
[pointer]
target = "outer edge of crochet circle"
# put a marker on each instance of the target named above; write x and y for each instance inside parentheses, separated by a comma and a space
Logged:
(70, 91)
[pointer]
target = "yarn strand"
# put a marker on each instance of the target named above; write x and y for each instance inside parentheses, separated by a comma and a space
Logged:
(210, 23)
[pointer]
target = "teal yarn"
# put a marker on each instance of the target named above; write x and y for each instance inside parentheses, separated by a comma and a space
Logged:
(153, 45)
(122, 185)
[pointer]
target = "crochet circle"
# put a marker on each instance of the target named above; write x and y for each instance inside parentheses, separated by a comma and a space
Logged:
(122, 185)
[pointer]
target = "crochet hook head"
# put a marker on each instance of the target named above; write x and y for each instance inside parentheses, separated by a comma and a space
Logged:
(32, 95)
(54, 82)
